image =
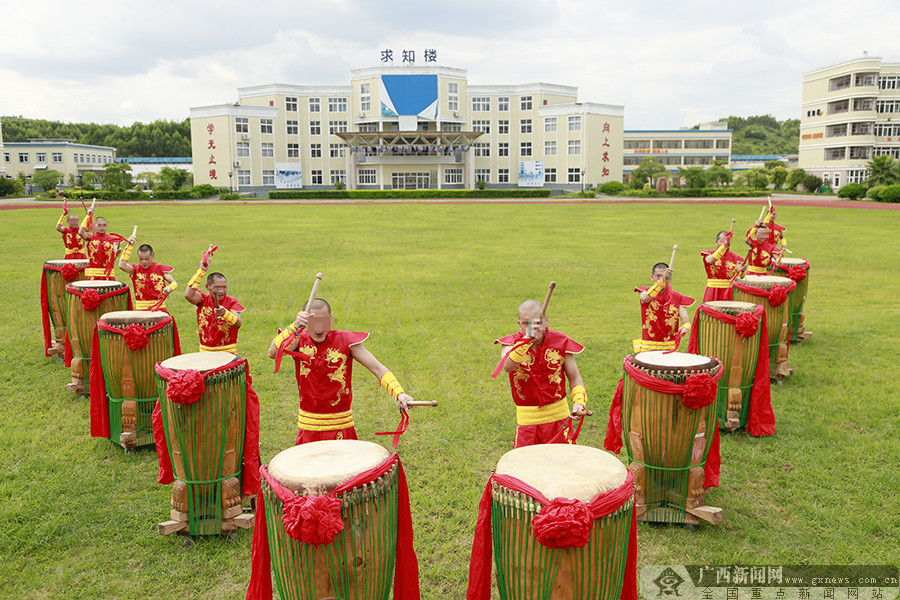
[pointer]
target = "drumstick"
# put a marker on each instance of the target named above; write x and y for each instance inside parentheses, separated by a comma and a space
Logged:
(547, 298)
(732, 226)
(312, 294)
(582, 413)
(412, 403)
(83, 205)
(134, 233)
(672, 260)
(761, 213)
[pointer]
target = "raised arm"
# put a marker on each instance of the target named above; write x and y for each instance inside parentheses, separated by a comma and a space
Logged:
(384, 376)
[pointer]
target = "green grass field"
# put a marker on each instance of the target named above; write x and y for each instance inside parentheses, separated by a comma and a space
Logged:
(435, 285)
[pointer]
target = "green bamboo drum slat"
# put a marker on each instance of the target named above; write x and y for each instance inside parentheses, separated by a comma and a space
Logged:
(56, 294)
(81, 322)
(778, 318)
(797, 317)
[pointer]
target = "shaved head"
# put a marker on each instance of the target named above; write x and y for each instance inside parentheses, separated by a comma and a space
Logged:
(529, 306)
(316, 304)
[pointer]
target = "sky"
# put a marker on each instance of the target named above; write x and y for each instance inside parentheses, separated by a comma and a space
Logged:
(671, 64)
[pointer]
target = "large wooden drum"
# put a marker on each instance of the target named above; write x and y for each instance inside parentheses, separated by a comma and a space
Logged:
(54, 286)
(667, 442)
(797, 269)
(759, 289)
(359, 562)
(87, 301)
(738, 355)
(528, 569)
(130, 344)
(205, 438)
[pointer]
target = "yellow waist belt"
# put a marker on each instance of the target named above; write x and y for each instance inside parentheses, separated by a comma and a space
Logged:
(538, 415)
(97, 272)
(229, 348)
(718, 283)
(649, 345)
(324, 422)
(757, 270)
(146, 304)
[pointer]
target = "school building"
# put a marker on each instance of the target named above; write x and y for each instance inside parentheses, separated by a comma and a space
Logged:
(406, 127)
(679, 148)
(65, 156)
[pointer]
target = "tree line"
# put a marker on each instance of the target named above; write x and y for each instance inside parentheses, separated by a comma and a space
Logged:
(156, 139)
(763, 134)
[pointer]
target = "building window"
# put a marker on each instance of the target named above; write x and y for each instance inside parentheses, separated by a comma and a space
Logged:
(574, 147)
(839, 83)
(7, 157)
(550, 175)
(549, 148)
(483, 175)
(451, 126)
(267, 150)
(862, 128)
(503, 104)
(336, 150)
(502, 175)
(636, 144)
(860, 152)
(452, 176)
(836, 130)
(370, 127)
(502, 127)
(888, 83)
(697, 144)
(337, 105)
(481, 126)
(40, 157)
(525, 103)
(693, 160)
(268, 177)
(575, 123)
(525, 126)
(550, 124)
(676, 160)
(315, 105)
(365, 97)
(338, 176)
(293, 150)
(24, 158)
(887, 130)
(835, 153)
(55, 157)
(243, 177)
(453, 97)
(242, 150)
(723, 159)
(865, 79)
(337, 127)
(315, 177)
(482, 149)
(265, 125)
(840, 106)
(856, 175)
(481, 104)
(525, 149)
(574, 176)
(893, 151)
(887, 106)
(837, 180)
(410, 181)
(290, 103)
(632, 160)
(863, 103)
(293, 127)
(503, 149)
(669, 145)
(315, 150)
(315, 128)
(242, 125)
(367, 177)
(722, 144)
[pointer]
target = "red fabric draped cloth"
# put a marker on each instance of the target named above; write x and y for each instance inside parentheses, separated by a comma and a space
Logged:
(406, 565)
(761, 417)
(99, 399)
(796, 273)
(250, 464)
(613, 441)
(69, 272)
(601, 506)
(67, 355)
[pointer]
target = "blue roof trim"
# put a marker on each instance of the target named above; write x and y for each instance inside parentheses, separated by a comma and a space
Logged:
(757, 156)
(155, 159)
(678, 130)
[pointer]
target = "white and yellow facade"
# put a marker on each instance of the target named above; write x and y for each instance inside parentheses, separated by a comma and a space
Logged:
(65, 156)
(850, 114)
(679, 148)
(407, 127)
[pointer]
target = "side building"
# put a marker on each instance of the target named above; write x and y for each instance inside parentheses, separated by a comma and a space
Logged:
(850, 114)
(679, 148)
(406, 127)
(63, 155)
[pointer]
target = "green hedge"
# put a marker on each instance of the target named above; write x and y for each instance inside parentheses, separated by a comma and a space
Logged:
(853, 191)
(696, 193)
(382, 194)
(890, 193)
(200, 191)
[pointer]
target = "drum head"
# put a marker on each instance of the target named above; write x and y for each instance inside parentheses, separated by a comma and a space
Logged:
(731, 306)
(564, 470)
(765, 282)
(97, 284)
(78, 262)
(319, 467)
(131, 317)
(675, 362)
(793, 262)
(199, 361)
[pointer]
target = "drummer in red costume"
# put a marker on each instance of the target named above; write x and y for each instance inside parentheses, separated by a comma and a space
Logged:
(763, 253)
(68, 227)
(101, 246)
(664, 315)
(323, 359)
(539, 360)
(722, 265)
(152, 281)
(218, 314)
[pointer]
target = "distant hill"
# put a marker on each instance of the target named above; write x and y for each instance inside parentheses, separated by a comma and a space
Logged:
(159, 138)
(764, 135)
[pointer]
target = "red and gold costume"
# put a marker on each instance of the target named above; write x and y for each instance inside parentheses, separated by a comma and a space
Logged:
(216, 335)
(762, 254)
(101, 254)
(74, 243)
(660, 320)
(149, 284)
(720, 275)
(538, 386)
(324, 374)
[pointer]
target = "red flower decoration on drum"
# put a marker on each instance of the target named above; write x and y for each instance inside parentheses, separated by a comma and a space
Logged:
(186, 387)
(777, 295)
(699, 391)
(135, 337)
(746, 325)
(90, 299)
(69, 271)
(564, 523)
(314, 520)
(797, 274)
